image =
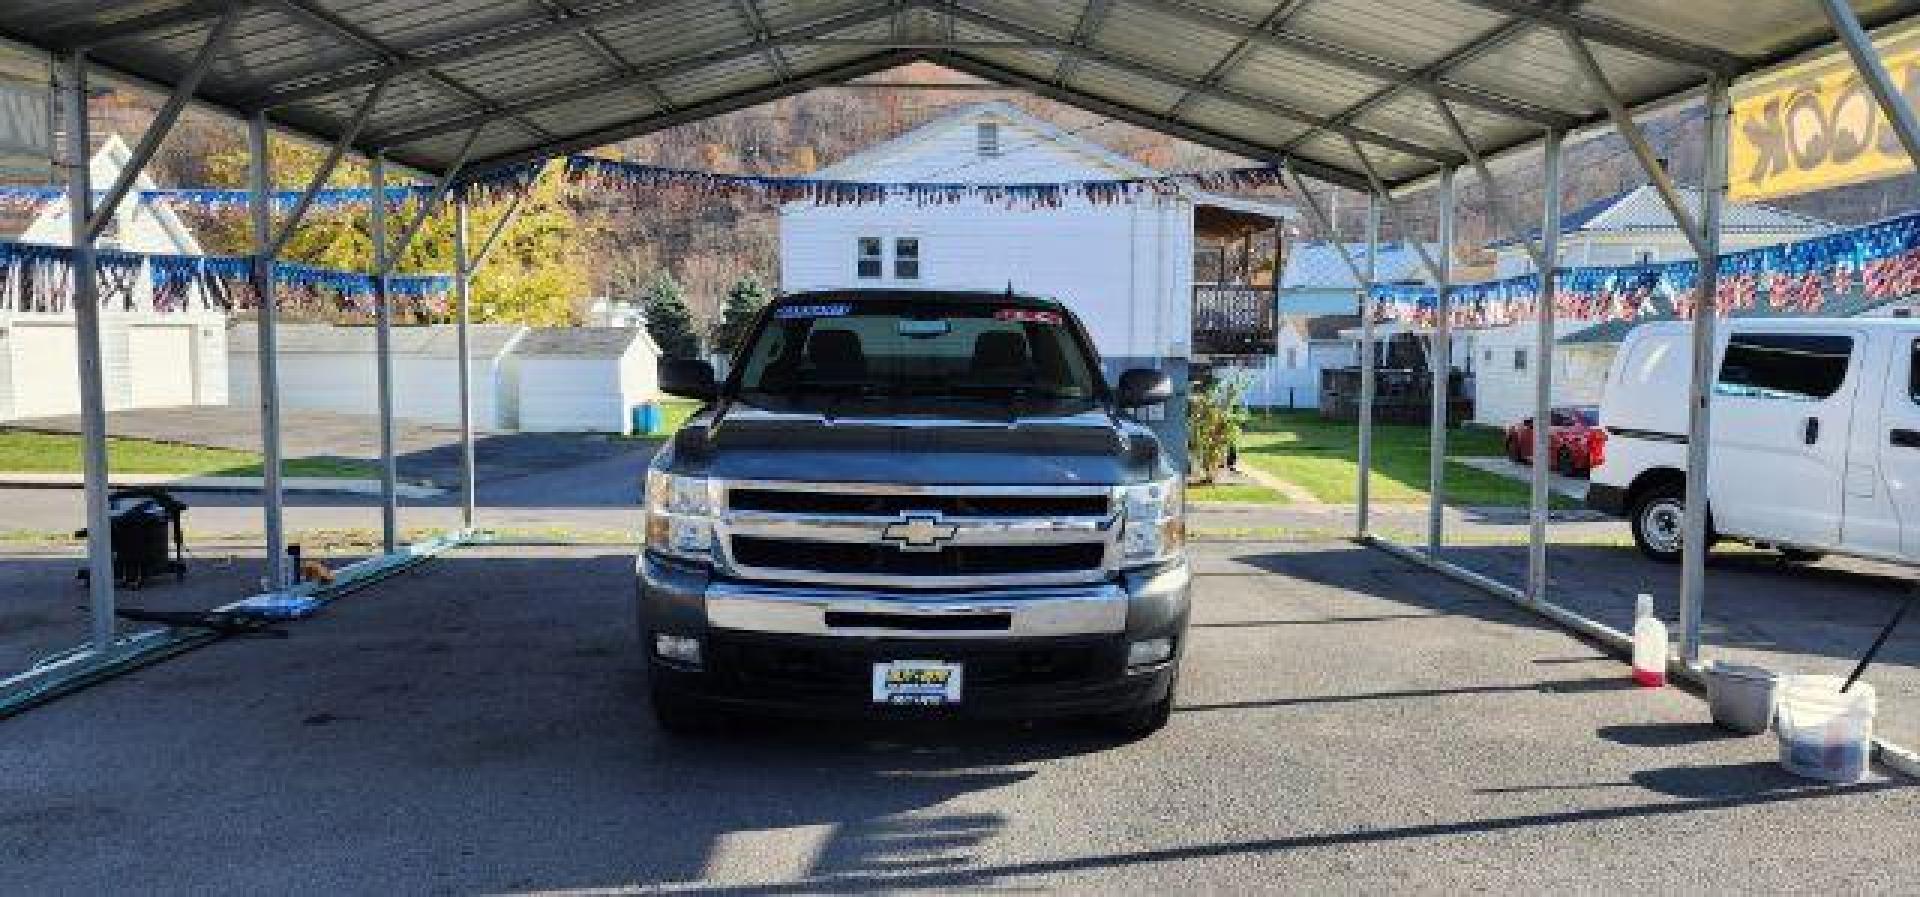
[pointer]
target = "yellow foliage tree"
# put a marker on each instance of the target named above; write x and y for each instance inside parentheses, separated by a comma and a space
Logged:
(535, 275)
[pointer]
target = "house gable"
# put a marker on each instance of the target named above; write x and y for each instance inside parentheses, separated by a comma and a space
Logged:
(947, 150)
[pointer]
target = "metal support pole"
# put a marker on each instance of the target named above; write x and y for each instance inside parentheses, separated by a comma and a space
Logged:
(1547, 266)
(383, 359)
(1369, 384)
(86, 321)
(1693, 560)
(462, 285)
(267, 315)
(1873, 72)
(1440, 366)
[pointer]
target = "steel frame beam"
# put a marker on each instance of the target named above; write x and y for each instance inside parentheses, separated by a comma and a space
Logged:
(383, 356)
(1386, 198)
(1693, 560)
(163, 121)
(591, 38)
(90, 36)
(1369, 377)
(1270, 33)
(327, 165)
(1546, 263)
(1230, 61)
(266, 326)
(463, 355)
(756, 23)
(1174, 79)
(315, 83)
(431, 203)
(1495, 198)
(597, 85)
(326, 20)
(1440, 367)
(1560, 16)
(1091, 18)
(86, 324)
(1636, 141)
(1141, 118)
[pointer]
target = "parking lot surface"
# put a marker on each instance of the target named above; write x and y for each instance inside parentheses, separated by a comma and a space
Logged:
(1347, 722)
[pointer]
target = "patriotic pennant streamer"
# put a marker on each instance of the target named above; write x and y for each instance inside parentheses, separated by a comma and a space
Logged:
(39, 278)
(1875, 263)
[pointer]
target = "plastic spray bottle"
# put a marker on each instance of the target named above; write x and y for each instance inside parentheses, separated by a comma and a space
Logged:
(1649, 645)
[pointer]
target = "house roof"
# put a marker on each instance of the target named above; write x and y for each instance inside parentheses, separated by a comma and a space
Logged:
(35, 222)
(432, 341)
(1641, 210)
(1316, 265)
(579, 342)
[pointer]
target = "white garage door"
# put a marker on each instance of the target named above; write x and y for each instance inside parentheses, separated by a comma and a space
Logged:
(162, 366)
(46, 371)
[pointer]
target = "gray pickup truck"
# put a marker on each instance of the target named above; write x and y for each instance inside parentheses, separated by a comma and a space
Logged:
(914, 503)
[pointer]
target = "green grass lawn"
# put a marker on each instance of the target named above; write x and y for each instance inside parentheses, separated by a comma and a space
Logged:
(674, 413)
(1320, 456)
(1237, 492)
(28, 452)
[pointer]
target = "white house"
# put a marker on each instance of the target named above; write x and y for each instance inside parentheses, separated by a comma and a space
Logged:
(1632, 227)
(1125, 267)
(150, 358)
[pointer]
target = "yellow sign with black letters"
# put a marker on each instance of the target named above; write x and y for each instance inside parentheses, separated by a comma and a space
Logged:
(1815, 125)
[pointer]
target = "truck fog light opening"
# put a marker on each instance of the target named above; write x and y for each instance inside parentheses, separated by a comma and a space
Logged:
(680, 649)
(1149, 651)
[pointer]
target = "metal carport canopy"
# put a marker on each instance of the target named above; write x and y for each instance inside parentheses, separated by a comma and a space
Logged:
(1272, 80)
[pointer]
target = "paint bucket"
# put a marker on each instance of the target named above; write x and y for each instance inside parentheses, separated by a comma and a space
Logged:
(1825, 734)
(1741, 697)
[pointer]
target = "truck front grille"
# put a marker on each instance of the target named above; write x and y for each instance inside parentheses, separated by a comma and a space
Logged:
(883, 559)
(889, 505)
(918, 537)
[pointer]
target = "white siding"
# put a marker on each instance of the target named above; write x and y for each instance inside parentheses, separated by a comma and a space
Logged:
(573, 394)
(46, 376)
(424, 389)
(1503, 395)
(1119, 267)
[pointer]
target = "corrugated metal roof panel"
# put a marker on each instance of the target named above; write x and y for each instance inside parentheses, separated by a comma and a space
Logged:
(1410, 32)
(1238, 120)
(315, 56)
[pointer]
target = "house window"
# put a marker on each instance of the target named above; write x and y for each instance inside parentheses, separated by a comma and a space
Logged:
(986, 137)
(1293, 356)
(1802, 367)
(1519, 359)
(906, 258)
(868, 265)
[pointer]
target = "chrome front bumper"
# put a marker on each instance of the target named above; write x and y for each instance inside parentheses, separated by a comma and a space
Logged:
(1076, 610)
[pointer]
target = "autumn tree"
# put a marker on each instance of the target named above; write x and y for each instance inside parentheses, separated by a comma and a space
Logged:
(536, 273)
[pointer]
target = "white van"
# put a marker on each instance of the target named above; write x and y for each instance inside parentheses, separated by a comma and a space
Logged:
(1816, 436)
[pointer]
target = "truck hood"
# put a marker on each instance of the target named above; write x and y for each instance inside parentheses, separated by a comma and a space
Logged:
(748, 442)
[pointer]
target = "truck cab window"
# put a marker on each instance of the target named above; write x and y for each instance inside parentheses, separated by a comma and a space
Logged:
(1802, 367)
(867, 264)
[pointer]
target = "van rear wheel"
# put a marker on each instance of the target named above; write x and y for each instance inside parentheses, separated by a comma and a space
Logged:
(1659, 519)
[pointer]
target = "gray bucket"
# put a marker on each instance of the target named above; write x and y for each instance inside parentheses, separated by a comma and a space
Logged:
(1741, 697)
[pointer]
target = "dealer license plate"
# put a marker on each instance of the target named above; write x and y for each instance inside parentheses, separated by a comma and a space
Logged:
(922, 683)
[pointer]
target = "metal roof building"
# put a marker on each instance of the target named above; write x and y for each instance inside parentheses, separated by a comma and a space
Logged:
(1305, 80)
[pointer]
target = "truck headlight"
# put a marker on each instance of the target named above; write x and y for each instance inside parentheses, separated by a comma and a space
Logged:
(1155, 528)
(680, 514)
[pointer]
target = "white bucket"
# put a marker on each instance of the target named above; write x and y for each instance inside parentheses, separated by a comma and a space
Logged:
(1824, 734)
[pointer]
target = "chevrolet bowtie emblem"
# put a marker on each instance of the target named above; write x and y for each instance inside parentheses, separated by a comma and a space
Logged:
(919, 532)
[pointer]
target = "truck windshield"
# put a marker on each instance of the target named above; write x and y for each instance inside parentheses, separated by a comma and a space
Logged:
(936, 348)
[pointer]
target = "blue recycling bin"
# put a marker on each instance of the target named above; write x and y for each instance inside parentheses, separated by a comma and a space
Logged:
(647, 419)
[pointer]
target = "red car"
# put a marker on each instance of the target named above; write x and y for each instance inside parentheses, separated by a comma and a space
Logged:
(1575, 437)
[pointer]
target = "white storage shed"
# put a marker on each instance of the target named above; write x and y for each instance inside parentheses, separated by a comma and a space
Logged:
(583, 378)
(329, 368)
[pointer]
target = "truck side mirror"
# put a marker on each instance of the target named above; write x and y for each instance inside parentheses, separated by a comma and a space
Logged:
(688, 379)
(1141, 387)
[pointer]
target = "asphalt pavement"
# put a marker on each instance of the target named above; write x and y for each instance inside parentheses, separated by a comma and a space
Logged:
(1346, 723)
